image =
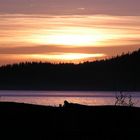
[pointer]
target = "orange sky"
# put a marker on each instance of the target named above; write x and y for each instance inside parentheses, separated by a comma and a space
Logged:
(66, 38)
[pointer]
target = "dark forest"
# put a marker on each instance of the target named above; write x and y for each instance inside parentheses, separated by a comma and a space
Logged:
(120, 73)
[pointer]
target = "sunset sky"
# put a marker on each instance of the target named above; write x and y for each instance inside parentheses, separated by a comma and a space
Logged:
(67, 30)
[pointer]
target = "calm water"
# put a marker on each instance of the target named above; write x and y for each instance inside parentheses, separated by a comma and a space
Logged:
(57, 97)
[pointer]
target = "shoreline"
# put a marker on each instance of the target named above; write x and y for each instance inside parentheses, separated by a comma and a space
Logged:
(68, 90)
(70, 121)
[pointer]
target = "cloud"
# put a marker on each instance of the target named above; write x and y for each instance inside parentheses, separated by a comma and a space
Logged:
(19, 29)
(23, 35)
(44, 49)
(58, 54)
(60, 7)
(81, 8)
(29, 50)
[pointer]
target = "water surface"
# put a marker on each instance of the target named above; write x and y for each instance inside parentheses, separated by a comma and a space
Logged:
(55, 98)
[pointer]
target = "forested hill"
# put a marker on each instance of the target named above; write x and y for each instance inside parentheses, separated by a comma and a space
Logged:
(118, 73)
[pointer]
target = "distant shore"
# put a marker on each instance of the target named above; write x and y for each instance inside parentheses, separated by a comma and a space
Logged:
(120, 73)
(71, 120)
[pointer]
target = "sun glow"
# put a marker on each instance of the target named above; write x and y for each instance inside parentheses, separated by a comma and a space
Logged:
(69, 36)
(70, 40)
(67, 57)
(53, 57)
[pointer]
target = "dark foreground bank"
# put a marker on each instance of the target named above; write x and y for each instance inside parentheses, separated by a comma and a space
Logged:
(71, 121)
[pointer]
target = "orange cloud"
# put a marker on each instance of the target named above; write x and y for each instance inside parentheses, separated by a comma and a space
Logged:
(22, 35)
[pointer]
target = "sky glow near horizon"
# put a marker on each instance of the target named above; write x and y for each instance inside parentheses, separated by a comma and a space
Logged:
(78, 32)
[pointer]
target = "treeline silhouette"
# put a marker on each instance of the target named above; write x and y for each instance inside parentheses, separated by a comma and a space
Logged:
(120, 73)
